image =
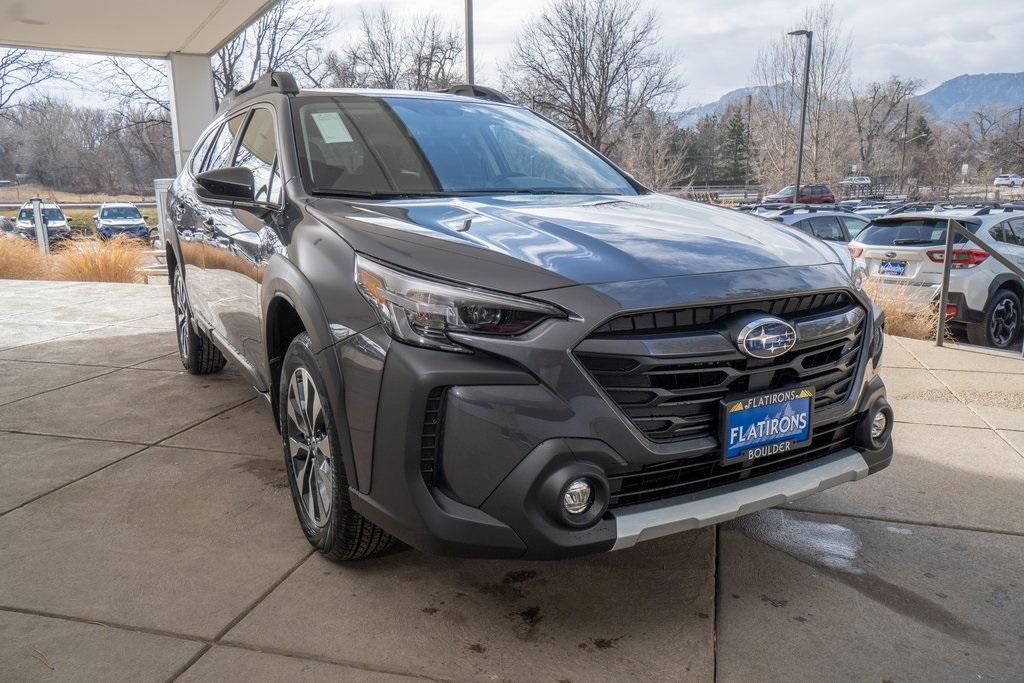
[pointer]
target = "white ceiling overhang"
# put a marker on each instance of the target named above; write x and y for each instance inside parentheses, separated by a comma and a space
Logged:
(139, 28)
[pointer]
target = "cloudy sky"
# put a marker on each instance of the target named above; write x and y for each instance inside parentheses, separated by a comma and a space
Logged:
(716, 41)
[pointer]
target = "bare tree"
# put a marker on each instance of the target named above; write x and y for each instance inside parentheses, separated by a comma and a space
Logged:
(877, 111)
(22, 70)
(596, 66)
(418, 54)
(652, 151)
(135, 84)
(285, 37)
(780, 66)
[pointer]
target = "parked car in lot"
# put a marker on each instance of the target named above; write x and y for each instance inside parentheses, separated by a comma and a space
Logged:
(855, 180)
(1008, 180)
(480, 336)
(905, 253)
(830, 224)
(120, 219)
(57, 225)
(809, 194)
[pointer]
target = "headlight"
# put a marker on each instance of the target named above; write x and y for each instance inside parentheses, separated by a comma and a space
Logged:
(422, 312)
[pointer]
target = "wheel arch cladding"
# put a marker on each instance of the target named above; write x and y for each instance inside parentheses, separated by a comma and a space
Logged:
(288, 301)
(1006, 281)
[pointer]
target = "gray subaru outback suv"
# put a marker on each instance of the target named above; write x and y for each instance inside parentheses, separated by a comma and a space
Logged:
(482, 338)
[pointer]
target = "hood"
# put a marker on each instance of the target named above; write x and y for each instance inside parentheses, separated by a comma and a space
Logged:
(522, 243)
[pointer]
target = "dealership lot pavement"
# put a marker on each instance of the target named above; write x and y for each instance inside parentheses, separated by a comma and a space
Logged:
(146, 533)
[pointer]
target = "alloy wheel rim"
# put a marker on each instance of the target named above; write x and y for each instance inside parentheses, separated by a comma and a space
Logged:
(309, 449)
(1005, 319)
(181, 315)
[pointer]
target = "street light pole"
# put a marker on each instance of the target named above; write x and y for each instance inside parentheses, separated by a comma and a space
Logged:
(803, 111)
(470, 78)
(903, 148)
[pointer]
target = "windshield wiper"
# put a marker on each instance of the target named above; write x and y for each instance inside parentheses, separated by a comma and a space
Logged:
(526, 190)
(377, 194)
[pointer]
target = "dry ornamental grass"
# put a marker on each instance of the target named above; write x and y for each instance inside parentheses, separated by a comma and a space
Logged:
(81, 260)
(904, 316)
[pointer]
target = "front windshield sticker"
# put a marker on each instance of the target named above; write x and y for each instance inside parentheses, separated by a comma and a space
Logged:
(332, 128)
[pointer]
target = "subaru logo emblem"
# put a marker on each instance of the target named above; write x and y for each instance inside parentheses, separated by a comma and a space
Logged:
(766, 337)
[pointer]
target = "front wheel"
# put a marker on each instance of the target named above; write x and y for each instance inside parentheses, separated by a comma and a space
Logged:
(312, 459)
(1001, 324)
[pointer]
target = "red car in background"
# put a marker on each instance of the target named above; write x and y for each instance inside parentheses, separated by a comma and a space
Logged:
(809, 194)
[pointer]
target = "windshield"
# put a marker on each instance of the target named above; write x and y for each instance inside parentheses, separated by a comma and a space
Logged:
(910, 232)
(417, 146)
(114, 213)
(785, 192)
(49, 215)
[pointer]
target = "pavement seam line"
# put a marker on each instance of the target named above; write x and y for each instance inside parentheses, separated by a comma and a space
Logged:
(100, 622)
(906, 522)
(716, 577)
(145, 447)
(323, 660)
(69, 384)
(969, 406)
(242, 615)
(73, 481)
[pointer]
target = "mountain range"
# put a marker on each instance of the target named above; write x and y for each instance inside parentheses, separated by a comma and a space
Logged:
(952, 100)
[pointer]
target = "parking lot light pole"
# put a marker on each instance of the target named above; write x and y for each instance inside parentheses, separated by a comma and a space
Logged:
(41, 237)
(470, 77)
(803, 111)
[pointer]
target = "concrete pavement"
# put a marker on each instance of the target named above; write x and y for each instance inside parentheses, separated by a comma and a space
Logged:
(146, 533)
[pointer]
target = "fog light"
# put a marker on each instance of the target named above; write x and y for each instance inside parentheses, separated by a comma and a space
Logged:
(577, 496)
(878, 425)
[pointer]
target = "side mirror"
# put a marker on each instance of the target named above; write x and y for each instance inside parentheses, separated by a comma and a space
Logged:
(96, 218)
(230, 185)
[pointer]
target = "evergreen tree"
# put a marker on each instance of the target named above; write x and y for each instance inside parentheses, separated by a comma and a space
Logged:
(733, 160)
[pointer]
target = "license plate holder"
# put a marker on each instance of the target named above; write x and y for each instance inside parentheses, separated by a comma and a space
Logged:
(748, 430)
(896, 268)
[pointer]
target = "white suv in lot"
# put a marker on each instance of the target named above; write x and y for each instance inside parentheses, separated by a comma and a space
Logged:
(1009, 180)
(903, 253)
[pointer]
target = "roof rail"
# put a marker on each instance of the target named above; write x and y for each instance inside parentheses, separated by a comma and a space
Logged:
(272, 81)
(478, 91)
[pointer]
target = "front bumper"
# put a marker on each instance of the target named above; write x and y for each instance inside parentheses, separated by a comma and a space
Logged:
(456, 454)
(139, 232)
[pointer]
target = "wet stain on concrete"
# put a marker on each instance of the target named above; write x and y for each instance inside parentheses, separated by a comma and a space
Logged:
(520, 576)
(270, 472)
(429, 610)
(477, 648)
(505, 591)
(831, 549)
(606, 643)
(530, 618)
(774, 602)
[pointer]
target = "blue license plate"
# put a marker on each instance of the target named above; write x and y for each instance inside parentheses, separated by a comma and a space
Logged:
(764, 425)
(892, 268)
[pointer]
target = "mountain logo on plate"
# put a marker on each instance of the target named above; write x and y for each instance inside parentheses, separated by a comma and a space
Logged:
(766, 337)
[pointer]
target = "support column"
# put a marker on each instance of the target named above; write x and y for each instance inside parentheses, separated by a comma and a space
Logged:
(192, 101)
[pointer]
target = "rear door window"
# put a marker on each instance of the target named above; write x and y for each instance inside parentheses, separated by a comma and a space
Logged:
(853, 225)
(1016, 227)
(827, 228)
(910, 232)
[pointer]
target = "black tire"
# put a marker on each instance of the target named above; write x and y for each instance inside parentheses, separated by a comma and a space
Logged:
(1001, 325)
(338, 532)
(198, 354)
